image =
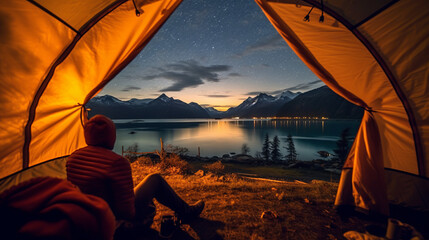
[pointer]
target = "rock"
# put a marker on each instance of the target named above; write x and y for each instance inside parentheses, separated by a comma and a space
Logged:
(210, 175)
(317, 167)
(319, 161)
(199, 173)
(268, 215)
(300, 164)
(244, 158)
(280, 196)
(333, 170)
(293, 165)
(226, 156)
(336, 165)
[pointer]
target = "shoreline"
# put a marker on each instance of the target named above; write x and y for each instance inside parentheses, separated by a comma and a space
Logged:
(246, 165)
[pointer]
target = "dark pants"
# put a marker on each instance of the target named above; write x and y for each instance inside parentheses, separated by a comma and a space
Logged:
(155, 186)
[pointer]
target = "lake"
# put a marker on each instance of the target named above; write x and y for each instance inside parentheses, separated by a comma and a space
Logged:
(218, 137)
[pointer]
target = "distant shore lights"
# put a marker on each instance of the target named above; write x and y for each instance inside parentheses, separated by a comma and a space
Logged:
(292, 118)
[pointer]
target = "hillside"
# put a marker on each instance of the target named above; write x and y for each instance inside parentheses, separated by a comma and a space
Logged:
(263, 105)
(161, 107)
(235, 207)
(320, 102)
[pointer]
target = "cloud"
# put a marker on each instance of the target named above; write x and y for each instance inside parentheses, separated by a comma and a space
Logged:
(206, 105)
(305, 86)
(253, 93)
(130, 88)
(269, 44)
(218, 96)
(299, 87)
(187, 74)
(234, 75)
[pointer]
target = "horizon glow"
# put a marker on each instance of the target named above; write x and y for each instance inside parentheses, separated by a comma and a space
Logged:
(214, 53)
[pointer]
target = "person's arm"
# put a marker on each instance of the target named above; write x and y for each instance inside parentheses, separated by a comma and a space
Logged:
(122, 188)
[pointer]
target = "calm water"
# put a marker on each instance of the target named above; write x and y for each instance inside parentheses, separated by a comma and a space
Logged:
(217, 137)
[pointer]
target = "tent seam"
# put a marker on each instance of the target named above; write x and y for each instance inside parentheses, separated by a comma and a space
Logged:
(53, 15)
(375, 13)
(47, 79)
(396, 170)
(132, 55)
(311, 60)
(411, 119)
(22, 170)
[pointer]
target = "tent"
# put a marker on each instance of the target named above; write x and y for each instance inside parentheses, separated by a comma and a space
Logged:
(56, 55)
(374, 54)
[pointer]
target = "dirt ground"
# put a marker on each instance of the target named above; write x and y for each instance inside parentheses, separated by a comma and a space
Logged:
(243, 208)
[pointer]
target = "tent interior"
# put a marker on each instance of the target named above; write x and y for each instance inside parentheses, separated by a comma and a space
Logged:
(57, 55)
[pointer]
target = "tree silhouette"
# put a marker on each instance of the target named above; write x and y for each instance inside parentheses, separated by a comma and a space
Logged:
(290, 147)
(266, 148)
(245, 149)
(275, 149)
(131, 152)
(343, 146)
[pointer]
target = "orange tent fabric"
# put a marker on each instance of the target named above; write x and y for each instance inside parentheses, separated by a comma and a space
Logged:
(56, 55)
(372, 54)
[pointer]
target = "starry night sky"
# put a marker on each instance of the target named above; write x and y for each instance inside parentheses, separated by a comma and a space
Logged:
(215, 53)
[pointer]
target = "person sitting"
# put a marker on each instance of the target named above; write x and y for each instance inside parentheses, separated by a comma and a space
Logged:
(97, 170)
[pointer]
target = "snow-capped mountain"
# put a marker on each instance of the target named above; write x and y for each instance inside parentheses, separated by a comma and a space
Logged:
(164, 98)
(263, 105)
(136, 101)
(213, 113)
(106, 100)
(320, 102)
(287, 94)
(161, 107)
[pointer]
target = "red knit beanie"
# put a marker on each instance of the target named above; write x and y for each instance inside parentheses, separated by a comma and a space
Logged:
(100, 131)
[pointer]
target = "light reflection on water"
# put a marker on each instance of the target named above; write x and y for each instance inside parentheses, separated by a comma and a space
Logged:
(217, 137)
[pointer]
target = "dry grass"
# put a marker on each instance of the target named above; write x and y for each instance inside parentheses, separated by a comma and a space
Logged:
(234, 206)
(216, 167)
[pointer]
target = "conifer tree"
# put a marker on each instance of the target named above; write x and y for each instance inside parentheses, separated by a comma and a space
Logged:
(291, 155)
(266, 148)
(343, 145)
(245, 149)
(275, 149)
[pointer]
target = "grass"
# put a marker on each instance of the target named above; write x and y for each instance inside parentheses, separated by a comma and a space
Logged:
(278, 172)
(234, 205)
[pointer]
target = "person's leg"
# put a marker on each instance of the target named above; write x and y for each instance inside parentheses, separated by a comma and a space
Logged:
(154, 186)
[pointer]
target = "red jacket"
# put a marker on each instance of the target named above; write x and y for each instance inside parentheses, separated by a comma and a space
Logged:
(103, 173)
(52, 208)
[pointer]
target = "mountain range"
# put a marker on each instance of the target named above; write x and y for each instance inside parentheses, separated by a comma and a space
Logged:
(160, 107)
(263, 105)
(318, 102)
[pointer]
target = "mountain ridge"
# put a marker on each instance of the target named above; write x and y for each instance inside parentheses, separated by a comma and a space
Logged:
(320, 102)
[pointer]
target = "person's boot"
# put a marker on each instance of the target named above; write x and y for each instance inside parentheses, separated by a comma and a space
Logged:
(191, 212)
